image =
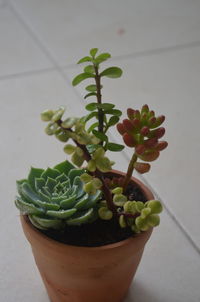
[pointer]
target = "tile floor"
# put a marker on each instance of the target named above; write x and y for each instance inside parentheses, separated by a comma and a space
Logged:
(157, 43)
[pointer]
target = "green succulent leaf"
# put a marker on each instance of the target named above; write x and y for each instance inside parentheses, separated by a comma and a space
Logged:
(81, 217)
(114, 112)
(85, 59)
(112, 72)
(114, 147)
(106, 106)
(93, 52)
(100, 135)
(57, 196)
(113, 120)
(81, 77)
(90, 94)
(91, 88)
(93, 126)
(102, 57)
(89, 69)
(91, 106)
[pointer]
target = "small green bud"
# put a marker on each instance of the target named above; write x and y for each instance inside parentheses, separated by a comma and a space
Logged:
(69, 122)
(79, 151)
(118, 190)
(58, 114)
(103, 164)
(89, 188)
(155, 206)
(99, 153)
(153, 220)
(77, 160)
(105, 213)
(145, 212)
(47, 115)
(69, 149)
(130, 207)
(119, 199)
(51, 128)
(97, 183)
(61, 135)
(86, 177)
(91, 166)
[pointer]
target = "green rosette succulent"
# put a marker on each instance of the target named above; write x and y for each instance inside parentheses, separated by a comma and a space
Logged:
(54, 198)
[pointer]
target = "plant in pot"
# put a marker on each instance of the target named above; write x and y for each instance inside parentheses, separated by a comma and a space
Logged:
(87, 223)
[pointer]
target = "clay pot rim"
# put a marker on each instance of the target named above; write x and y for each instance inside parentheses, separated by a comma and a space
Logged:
(51, 242)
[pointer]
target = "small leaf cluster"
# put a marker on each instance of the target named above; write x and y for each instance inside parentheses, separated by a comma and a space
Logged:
(54, 198)
(99, 161)
(142, 131)
(91, 184)
(146, 215)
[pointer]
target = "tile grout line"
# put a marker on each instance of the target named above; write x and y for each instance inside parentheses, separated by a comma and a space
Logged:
(169, 211)
(26, 73)
(57, 67)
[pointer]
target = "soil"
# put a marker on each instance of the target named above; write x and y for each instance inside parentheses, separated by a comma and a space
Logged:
(100, 232)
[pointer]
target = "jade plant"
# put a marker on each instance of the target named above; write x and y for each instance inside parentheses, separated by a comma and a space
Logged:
(84, 191)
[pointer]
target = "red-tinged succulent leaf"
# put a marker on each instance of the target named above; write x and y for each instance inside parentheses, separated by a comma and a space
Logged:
(120, 128)
(159, 120)
(152, 121)
(129, 140)
(161, 145)
(142, 167)
(144, 131)
(140, 149)
(128, 125)
(136, 122)
(137, 114)
(159, 132)
(151, 142)
(151, 114)
(145, 108)
(143, 116)
(150, 155)
(130, 113)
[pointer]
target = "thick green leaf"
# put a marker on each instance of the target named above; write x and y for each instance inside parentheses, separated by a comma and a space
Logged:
(34, 173)
(68, 203)
(93, 52)
(63, 214)
(93, 126)
(39, 183)
(89, 69)
(64, 167)
(51, 183)
(114, 112)
(85, 59)
(81, 217)
(100, 135)
(114, 147)
(91, 88)
(80, 204)
(27, 208)
(81, 77)
(102, 57)
(91, 115)
(112, 72)
(106, 106)
(92, 200)
(47, 205)
(90, 94)
(91, 106)
(45, 223)
(113, 120)
(53, 173)
(75, 172)
(28, 193)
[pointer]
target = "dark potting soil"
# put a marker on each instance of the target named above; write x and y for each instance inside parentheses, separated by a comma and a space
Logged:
(100, 232)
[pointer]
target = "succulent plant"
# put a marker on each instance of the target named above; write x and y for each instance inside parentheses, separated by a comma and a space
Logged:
(54, 198)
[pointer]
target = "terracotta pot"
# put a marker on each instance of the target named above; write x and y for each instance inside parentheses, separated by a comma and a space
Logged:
(87, 274)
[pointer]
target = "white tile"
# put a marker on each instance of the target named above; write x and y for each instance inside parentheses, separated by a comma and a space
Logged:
(169, 83)
(23, 141)
(70, 28)
(18, 52)
(169, 270)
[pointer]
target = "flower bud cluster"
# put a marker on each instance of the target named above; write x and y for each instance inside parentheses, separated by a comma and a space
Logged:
(142, 131)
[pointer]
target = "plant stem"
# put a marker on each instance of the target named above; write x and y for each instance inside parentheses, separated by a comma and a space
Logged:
(129, 172)
(100, 111)
(106, 191)
(128, 215)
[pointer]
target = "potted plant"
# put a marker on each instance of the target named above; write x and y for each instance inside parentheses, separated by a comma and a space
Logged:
(87, 223)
